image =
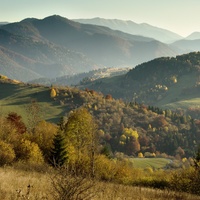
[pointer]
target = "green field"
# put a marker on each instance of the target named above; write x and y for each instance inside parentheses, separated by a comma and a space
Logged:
(17, 97)
(176, 98)
(155, 163)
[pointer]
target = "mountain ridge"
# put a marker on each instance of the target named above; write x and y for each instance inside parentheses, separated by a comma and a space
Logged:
(58, 42)
(133, 28)
(193, 36)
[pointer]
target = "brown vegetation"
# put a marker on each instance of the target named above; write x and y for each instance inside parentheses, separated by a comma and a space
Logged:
(26, 184)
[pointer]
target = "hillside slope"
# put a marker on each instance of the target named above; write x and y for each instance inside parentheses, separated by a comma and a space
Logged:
(42, 58)
(160, 82)
(153, 130)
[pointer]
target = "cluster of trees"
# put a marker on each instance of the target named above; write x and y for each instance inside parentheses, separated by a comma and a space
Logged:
(19, 144)
(194, 112)
(46, 142)
(131, 128)
(158, 131)
(74, 143)
(87, 139)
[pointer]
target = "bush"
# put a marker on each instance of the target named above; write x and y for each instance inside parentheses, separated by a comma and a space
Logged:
(30, 152)
(105, 168)
(187, 180)
(68, 185)
(7, 154)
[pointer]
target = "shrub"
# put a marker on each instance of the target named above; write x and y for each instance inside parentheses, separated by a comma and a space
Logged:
(30, 152)
(43, 136)
(105, 168)
(187, 180)
(68, 185)
(7, 154)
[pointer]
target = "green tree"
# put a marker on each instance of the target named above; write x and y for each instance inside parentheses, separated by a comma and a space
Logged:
(106, 150)
(58, 154)
(197, 159)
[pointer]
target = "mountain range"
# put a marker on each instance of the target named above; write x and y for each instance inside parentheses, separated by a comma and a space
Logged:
(133, 28)
(175, 41)
(56, 46)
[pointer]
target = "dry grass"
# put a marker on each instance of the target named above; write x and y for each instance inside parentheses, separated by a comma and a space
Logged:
(13, 180)
(121, 192)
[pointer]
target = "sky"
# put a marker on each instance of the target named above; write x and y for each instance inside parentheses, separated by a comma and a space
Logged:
(179, 16)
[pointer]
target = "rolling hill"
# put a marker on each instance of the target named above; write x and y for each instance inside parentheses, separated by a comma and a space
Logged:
(193, 36)
(55, 46)
(187, 45)
(116, 119)
(133, 28)
(165, 82)
(3, 23)
(81, 77)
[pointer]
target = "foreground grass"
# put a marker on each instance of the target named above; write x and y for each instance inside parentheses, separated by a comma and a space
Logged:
(37, 185)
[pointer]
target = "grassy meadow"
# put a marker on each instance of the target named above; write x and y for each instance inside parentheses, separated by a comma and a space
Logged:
(17, 98)
(22, 183)
(154, 163)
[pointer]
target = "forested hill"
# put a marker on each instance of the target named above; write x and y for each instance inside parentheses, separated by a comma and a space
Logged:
(168, 82)
(122, 127)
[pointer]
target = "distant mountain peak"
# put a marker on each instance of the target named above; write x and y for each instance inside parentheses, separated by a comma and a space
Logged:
(193, 36)
(133, 28)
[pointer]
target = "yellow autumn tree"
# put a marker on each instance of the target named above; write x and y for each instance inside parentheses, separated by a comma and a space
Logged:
(43, 136)
(7, 154)
(53, 93)
(80, 132)
(140, 155)
(129, 132)
(30, 152)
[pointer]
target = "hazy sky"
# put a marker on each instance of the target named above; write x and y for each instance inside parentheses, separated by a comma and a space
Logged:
(179, 16)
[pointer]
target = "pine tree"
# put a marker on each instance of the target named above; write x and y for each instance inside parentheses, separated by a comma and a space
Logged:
(58, 155)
